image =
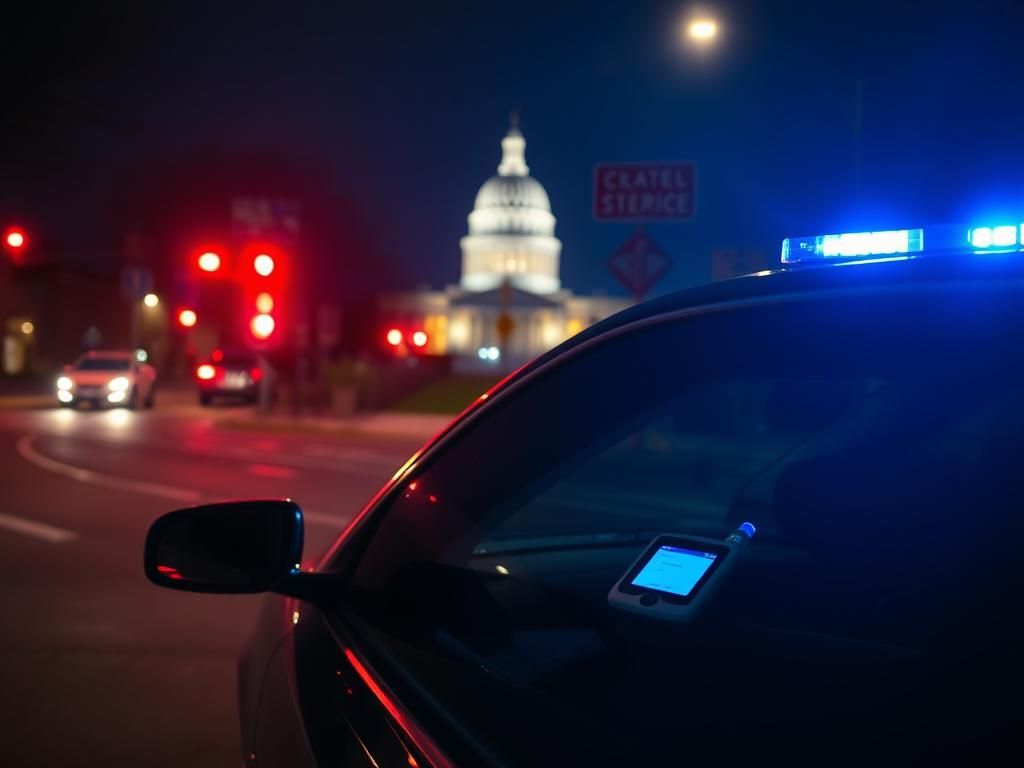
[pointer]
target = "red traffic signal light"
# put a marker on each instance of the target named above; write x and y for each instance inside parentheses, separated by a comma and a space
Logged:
(15, 239)
(419, 339)
(263, 264)
(187, 318)
(394, 337)
(262, 326)
(209, 261)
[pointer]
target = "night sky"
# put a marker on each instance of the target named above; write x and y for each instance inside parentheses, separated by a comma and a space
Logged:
(405, 105)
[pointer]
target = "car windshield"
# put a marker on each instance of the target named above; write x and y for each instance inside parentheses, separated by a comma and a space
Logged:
(875, 443)
(104, 364)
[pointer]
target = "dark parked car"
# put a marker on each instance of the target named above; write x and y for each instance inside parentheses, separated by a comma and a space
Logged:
(865, 420)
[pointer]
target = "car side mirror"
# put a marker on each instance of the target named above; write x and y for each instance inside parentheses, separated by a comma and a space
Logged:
(233, 547)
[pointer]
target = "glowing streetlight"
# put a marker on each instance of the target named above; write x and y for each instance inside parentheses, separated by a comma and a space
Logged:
(702, 30)
(150, 300)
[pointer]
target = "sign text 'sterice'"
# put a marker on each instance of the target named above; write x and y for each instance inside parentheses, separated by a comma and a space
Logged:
(643, 192)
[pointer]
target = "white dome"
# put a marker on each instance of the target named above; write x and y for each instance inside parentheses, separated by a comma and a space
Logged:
(512, 191)
(511, 229)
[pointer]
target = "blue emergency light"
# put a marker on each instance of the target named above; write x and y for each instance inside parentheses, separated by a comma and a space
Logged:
(902, 243)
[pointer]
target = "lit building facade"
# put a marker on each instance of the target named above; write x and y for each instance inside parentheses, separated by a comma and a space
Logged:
(510, 305)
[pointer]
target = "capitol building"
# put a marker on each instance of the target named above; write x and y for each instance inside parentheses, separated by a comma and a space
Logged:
(509, 305)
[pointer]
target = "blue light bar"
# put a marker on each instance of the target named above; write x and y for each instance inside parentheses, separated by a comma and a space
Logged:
(852, 245)
(1000, 238)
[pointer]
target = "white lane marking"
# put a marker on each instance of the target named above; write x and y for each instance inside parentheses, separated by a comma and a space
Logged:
(31, 455)
(36, 530)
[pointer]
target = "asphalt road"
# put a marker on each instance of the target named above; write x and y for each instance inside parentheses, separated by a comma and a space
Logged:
(98, 667)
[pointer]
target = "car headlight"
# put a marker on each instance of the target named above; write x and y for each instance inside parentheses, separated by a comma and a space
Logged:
(64, 383)
(120, 384)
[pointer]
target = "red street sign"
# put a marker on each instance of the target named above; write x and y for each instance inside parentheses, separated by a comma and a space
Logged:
(638, 264)
(642, 192)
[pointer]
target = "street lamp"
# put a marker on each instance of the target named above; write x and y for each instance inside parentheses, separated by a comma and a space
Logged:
(702, 30)
(150, 300)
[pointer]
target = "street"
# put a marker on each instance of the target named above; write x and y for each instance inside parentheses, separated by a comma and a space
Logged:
(98, 666)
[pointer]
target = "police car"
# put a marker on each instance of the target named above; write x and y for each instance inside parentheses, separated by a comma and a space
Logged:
(770, 521)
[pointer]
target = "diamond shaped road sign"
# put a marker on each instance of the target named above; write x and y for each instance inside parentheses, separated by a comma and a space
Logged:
(638, 263)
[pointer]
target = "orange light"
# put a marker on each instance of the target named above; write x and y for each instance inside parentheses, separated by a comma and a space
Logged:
(209, 262)
(187, 318)
(419, 339)
(262, 326)
(265, 303)
(205, 372)
(263, 265)
(15, 238)
(394, 337)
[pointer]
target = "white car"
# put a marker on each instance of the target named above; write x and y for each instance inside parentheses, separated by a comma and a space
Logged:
(108, 378)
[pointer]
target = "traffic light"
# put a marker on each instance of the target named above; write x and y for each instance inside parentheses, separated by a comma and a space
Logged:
(263, 264)
(419, 339)
(262, 326)
(264, 303)
(265, 268)
(394, 337)
(15, 239)
(15, 242)
(209, 261)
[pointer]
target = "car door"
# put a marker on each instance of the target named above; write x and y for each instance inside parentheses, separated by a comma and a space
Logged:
(474, 607)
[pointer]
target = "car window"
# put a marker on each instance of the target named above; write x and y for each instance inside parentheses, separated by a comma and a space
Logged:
(876, 444)
(104, 364)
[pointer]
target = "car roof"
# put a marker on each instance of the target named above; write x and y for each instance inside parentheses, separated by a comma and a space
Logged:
(806, 280)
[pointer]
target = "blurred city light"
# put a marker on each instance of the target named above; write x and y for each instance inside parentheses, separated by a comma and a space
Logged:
(262, 326)
(265, 303)
(15, 238)
(187, 318)
(27, 327)
(419, 339)
(209, 262)
(263, 264)
(394, 337)
(150, 299)
(702, 30)
(205, 372)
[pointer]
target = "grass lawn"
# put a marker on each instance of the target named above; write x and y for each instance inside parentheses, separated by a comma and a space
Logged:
(447, 395)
